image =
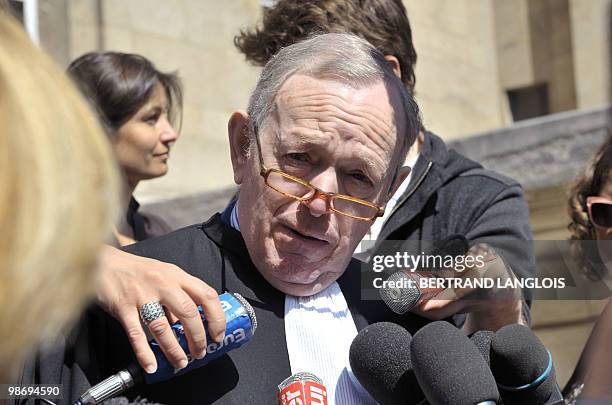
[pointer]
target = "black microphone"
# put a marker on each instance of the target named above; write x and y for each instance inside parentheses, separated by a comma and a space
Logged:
(449, 368)
(403, 299)
(482, 341)
(523, 367)
(380, 359)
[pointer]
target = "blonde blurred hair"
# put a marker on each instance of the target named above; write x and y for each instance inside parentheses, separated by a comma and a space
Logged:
(58, 197)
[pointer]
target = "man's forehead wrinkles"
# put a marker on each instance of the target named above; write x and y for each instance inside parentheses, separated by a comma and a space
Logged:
(313, 98)
(362, 116)
(314, 112)
(305, 137)
(329, 102)
(308, 134)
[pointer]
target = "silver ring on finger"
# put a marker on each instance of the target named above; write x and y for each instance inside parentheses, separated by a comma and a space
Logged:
(151, 311)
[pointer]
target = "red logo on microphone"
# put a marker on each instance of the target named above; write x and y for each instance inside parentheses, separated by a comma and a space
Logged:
(302, 390)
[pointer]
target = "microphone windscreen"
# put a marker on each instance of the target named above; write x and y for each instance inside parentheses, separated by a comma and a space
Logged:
(406, 292)
(449, 368)
(401, 299)
(519, 358)
(380, 359)
(482, 341)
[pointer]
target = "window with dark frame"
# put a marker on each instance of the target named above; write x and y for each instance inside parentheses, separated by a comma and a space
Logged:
(529, 102)
(17, 9)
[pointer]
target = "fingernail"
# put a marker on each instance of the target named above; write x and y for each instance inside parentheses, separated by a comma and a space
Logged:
(200, 355)
(220, 337)
(151, 368)
(182, 364)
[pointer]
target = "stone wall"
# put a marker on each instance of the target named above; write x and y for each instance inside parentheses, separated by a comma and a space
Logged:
(192, 37)
(457, 85)
(541, 152)
(591, 42)
(470, 52)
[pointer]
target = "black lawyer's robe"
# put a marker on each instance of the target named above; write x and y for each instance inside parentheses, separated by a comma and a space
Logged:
(216, 253)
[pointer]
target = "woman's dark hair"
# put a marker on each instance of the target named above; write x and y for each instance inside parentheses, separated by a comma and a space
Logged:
(383, 23)
(591, 183)
(118, 84)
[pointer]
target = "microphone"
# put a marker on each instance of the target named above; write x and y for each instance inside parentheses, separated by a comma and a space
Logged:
(241, 324)
(449, 368)
(380, 359)
(302, 389)
(482, 341)
(407, 294)
(523, 367)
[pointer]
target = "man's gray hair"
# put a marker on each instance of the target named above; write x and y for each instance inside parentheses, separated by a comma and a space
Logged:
(343, 57)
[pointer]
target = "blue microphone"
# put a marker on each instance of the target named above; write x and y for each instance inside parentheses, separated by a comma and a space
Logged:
(241, 324)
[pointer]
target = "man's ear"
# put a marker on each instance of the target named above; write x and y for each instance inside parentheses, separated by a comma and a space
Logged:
(404, 171)
(238, 132)
(394, 62)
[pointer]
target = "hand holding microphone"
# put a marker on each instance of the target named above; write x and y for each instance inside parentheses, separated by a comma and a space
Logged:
(489, 306)
(425, 291)
(241, 325)
(407, 293)
(127, 282)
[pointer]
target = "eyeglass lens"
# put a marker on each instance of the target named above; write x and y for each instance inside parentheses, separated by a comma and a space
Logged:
(602, 214)
(294, 188)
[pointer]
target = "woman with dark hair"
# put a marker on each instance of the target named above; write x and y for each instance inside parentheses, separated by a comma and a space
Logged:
(590, 208)
(138, 107)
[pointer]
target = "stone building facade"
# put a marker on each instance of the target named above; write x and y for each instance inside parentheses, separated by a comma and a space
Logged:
(482, 64)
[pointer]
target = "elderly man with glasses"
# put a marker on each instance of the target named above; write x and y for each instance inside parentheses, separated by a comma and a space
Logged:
(317, 155)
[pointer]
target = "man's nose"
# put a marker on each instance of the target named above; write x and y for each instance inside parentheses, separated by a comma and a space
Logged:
(318, 205)
(326, 182)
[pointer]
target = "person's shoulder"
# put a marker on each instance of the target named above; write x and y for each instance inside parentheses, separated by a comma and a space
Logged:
(154, 225)
(160, 246)
(480, 187)
(191, 248)
(487, 175)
